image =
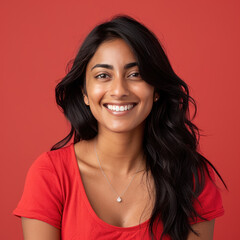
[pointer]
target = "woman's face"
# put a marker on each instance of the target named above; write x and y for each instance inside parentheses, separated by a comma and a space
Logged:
(118, 98)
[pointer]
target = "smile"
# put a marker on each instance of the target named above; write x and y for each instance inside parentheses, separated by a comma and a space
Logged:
(119, 109)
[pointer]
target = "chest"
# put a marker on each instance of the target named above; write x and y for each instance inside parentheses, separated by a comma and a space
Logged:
(102, 193)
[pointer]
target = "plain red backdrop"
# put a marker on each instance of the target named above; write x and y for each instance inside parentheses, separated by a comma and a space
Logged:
(37, 40)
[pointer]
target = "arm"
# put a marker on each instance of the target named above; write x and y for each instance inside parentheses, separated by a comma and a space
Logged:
(34, 229)
(41, 207)
(205, 230)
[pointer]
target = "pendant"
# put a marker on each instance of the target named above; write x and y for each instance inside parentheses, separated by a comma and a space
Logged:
(119, 199)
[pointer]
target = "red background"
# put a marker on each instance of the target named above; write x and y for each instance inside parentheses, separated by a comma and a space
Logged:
(37, 40)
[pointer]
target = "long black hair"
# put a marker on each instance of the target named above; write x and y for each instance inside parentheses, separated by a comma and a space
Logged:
(171, 139)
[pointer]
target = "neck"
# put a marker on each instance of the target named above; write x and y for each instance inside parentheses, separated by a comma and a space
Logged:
(120, 153)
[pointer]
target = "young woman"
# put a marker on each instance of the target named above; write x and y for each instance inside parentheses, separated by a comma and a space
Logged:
(133, 170)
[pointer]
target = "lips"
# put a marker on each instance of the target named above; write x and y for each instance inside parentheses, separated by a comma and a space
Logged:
(120, 104)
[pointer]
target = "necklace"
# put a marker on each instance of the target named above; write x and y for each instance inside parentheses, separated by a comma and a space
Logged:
(119, 197)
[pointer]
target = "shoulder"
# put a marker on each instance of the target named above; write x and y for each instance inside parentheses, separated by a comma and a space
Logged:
(61, 153)
(210, 185)
(209, 203)
(53, 161)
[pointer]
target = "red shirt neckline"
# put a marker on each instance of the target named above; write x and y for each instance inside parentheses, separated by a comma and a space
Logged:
(89, 207)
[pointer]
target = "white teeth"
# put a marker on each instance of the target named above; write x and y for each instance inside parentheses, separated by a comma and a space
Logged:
(130, 106)
(118, 108)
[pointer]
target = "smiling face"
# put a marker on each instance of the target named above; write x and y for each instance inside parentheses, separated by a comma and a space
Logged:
(118, 98)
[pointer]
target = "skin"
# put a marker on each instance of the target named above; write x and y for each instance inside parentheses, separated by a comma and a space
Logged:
(118, 144)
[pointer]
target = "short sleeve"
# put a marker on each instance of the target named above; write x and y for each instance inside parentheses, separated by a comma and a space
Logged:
(209, 204)
(42, 196)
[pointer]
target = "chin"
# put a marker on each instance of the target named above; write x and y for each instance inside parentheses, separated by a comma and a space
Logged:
(119, 130)
(122, 129)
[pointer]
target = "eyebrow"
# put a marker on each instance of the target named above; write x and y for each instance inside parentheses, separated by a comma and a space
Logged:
(128, 65)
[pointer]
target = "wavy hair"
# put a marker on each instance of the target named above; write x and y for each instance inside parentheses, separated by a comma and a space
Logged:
(170, 137)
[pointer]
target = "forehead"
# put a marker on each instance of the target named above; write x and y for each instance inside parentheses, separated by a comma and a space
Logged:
(114, 52)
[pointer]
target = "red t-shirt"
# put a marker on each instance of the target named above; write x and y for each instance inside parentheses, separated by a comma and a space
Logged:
(54, 193)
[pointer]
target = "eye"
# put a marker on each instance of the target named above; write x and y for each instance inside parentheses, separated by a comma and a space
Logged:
(135, 74)
(102, 75)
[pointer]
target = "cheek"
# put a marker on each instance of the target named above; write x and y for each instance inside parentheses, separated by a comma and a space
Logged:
(145, 93)
(95, 92)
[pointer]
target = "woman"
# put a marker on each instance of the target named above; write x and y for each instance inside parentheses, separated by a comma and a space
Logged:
(133, 170)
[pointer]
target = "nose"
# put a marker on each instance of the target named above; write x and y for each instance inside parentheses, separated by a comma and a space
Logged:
(119, 87)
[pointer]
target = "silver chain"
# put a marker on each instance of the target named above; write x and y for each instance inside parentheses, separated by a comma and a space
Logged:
(119, 197)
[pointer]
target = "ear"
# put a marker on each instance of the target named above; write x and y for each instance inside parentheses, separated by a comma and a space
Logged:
(85, 97)
(156, 96)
